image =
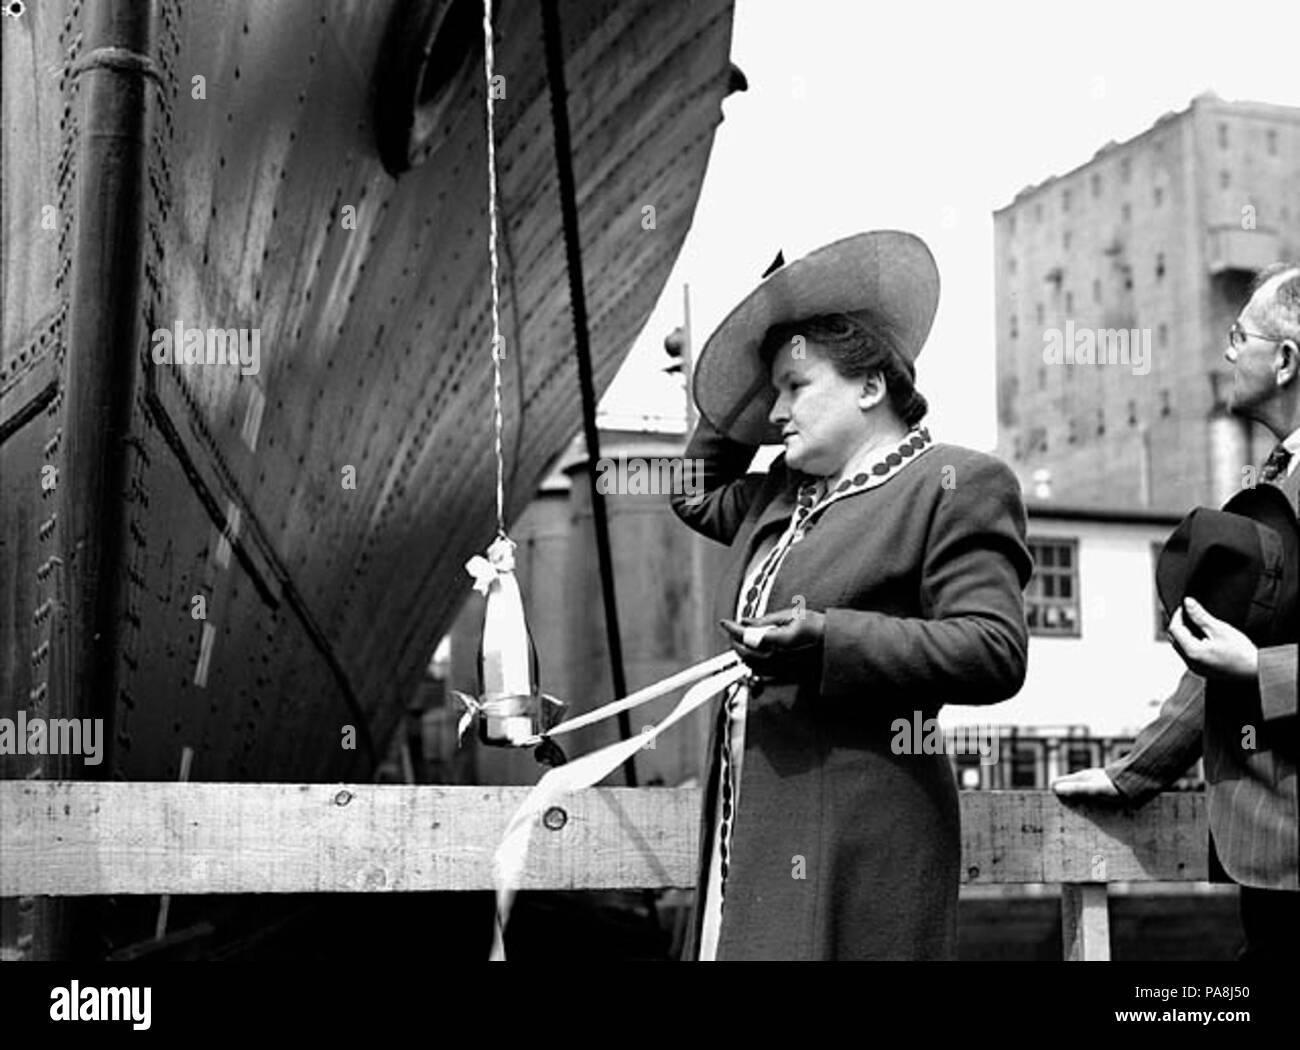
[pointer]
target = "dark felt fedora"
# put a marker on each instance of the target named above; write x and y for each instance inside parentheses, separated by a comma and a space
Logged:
(1241, 563)
(887, 271)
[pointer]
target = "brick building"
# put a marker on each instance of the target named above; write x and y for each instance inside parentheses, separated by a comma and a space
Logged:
(1145, 252)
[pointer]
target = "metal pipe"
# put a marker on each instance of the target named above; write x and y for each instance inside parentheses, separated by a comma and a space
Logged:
(102, 351)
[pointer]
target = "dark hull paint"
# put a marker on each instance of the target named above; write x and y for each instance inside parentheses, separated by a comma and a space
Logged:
(374, 344)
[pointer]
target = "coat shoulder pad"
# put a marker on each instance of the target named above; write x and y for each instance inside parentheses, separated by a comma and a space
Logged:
(970, 461)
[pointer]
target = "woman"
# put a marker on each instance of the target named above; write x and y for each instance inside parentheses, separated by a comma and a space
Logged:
(876, 576)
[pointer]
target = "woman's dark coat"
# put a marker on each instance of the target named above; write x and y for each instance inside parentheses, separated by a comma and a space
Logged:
(843, 849)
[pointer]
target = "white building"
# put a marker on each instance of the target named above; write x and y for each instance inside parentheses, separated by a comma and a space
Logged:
(1097, 656)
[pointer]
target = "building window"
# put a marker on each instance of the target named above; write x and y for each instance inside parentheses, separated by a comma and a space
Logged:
(1223, 136)
(1096, 290)
(1042, 379)
(1125, 170)
(1015, 327)
(1126, 211)
(1158, 195)
(1025, 765)
(1066, 238)
(1052, 597)
(1162, 635)
(1038, 213)
(1096, 185)
(1038, 314)
(1065, 200)
(1272, 143)
(1011, 264)
(1080, 754)
(1160, 265)
(1132, 413)
(1101, 422)
(1165, 408)
(1162, 335)
(1069, 302)
(1225, 179)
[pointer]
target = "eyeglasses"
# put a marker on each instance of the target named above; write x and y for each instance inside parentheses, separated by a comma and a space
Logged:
(1237, 336)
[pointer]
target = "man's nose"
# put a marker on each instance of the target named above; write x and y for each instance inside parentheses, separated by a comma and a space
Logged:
(778, 414)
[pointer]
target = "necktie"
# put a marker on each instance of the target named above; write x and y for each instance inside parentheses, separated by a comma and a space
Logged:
(1276, 464)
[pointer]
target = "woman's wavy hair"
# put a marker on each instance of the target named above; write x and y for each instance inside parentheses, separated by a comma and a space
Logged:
(856, 344)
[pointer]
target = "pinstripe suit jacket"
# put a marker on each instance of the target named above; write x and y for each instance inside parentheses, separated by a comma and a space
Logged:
(1254, 817)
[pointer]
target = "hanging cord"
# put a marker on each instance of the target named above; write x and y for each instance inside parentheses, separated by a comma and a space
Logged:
(498, 420)
(582, 345)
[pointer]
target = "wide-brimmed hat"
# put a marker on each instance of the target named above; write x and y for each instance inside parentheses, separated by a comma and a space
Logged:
(889, 272)
(1241, 563)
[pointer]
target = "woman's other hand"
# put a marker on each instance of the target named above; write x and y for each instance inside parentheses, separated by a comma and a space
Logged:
(783, 645)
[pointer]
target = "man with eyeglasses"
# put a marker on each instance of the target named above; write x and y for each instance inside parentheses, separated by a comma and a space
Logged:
(1254, 817)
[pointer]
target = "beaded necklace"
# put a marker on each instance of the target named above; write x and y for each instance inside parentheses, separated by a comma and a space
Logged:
(811, 501)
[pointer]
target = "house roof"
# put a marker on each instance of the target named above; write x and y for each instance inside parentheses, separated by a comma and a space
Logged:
(1043, 509)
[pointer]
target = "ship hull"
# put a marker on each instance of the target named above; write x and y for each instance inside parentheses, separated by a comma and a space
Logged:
(258, 561)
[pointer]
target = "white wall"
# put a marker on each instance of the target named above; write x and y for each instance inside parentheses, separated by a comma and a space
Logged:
(1108, 678)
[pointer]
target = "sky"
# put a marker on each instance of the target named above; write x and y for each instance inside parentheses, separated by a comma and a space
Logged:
(927, 117)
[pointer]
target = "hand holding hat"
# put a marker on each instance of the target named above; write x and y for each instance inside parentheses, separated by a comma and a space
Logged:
(1221, 652)
(1229, 580)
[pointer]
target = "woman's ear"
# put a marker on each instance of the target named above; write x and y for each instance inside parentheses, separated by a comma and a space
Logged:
(873, 390)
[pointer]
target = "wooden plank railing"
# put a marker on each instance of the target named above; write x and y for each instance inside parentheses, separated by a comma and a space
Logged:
(76, 838)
